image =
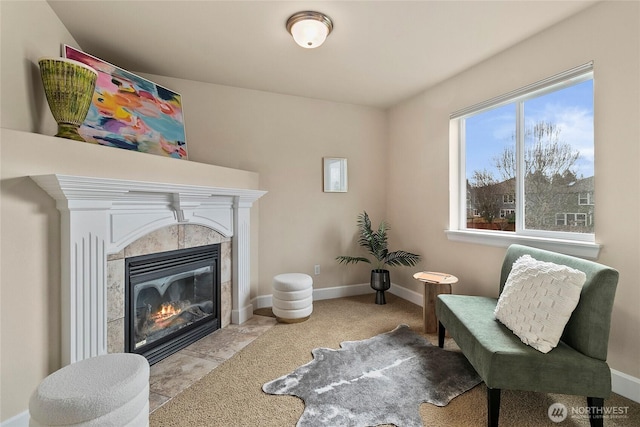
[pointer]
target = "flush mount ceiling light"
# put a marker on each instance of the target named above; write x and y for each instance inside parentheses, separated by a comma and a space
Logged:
(309, 29)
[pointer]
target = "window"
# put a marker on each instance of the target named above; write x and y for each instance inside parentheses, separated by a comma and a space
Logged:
(571, 219)
(507, 213)
(508, 199)
(585, 199)
(525, 162)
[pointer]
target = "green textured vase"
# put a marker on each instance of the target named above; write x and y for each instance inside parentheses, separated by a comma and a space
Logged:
(69, 87)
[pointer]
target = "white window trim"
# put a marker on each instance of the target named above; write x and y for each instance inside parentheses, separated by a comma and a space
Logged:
(569, 243)
(505, 238)
(576, 215)
(589, 199)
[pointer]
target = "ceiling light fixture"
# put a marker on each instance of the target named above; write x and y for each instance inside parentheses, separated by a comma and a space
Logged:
(309, 29)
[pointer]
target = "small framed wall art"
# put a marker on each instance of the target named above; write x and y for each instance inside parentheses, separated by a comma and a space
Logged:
(131, 112)
(335, 175)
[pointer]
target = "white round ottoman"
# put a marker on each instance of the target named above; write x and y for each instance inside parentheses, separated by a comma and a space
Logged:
(109, 390)
(292, 299)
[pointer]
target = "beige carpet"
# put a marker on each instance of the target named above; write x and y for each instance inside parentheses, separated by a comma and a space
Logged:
(231, 395)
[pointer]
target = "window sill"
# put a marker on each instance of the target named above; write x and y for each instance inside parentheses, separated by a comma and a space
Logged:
(570, 247)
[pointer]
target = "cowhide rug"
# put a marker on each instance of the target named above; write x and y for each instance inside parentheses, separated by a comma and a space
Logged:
(380, 380)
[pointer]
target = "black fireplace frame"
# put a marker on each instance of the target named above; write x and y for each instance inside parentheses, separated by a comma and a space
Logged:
(147, 267)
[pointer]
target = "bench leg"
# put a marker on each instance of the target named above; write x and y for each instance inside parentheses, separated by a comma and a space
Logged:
(440, 335)
(493, 406)
(596, 406)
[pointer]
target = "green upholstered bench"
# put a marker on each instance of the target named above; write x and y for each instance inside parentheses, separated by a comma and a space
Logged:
(576, 366)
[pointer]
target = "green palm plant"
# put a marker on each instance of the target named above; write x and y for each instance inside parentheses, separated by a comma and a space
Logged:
(376, 243)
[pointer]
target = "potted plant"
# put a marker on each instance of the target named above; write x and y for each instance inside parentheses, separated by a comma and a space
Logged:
(375, 242)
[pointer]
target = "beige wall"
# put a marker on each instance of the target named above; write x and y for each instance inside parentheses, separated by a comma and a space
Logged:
(30, 30)
(283, 138)
(609, 35)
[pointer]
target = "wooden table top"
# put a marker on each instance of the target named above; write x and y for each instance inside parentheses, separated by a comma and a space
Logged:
(435, 277)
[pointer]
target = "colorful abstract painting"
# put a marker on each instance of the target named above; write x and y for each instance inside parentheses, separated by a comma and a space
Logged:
(131, 112)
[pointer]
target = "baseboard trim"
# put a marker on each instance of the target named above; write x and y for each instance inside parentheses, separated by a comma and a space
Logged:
(242, 315)
(20, 420)
(342, 291)
(407, 294)
(625, 385)
(263, 301)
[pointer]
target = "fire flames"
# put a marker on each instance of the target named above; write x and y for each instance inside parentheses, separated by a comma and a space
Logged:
(166, 311)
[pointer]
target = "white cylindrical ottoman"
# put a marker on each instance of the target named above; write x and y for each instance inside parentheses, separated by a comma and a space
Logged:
(292, 299)
(108, 390)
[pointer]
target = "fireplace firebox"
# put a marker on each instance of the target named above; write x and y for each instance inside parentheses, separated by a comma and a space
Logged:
(172, 299)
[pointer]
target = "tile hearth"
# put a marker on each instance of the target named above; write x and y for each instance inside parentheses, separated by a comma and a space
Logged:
(176, 373)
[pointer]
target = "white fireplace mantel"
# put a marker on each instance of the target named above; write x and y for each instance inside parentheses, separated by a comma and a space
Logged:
(101, 216)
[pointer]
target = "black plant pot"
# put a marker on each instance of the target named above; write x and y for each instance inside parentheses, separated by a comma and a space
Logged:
(380, 282)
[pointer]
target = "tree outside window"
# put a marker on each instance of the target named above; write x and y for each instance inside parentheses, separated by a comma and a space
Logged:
(529, 163)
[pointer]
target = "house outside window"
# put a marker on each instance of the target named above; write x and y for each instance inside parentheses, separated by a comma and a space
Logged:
(571, 219)
(585, 198)
(507, 213)
(525, 162)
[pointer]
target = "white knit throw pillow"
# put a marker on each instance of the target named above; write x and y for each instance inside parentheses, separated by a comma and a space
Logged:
(537, 301)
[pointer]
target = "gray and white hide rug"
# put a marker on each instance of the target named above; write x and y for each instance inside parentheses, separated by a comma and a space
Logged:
(380, 380)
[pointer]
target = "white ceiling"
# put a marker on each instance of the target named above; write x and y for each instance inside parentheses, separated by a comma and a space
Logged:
(379, 53)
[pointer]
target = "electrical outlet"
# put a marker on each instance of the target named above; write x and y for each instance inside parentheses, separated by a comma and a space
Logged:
(316, 269)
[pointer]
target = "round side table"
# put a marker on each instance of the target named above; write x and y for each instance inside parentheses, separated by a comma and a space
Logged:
(435, 283)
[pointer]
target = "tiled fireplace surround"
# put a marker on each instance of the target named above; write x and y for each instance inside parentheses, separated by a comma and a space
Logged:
(102, 221)
(179, 236)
